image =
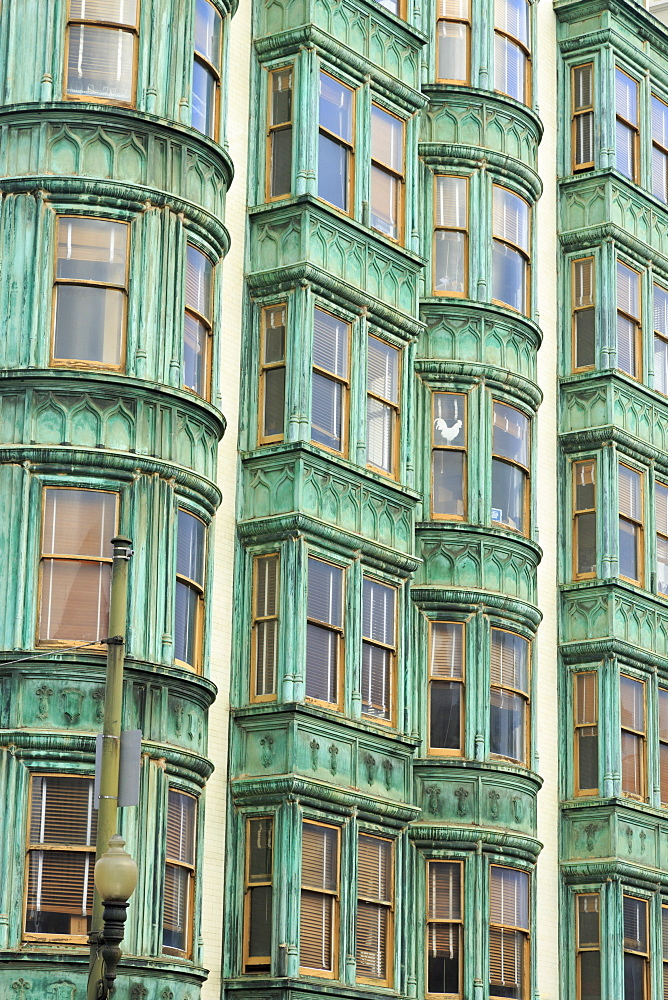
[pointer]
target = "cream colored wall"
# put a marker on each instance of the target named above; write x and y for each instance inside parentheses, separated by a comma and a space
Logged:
(547, 949)
(222, 598)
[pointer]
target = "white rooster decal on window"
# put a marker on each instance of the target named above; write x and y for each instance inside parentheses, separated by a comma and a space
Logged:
(448, 433)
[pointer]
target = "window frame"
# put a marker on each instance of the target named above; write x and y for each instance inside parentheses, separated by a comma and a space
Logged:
(447, 751)
(660, 536)
(451, 229)
(209, 67)
(186, 953)
(525, 761)
(207, 323)
(581, 949)
(524, 254)
(265, 366)
(578, 727)
(462, 449)
(578, 512)
(395, 409)
(389, 906)
(661, 148)
(660, 335)
(392, 650)
(340, 141)
(634, 130)
(273, 128)
(260, 619)
(630, 951)
(664, 942)
(460, 923)
(637, 523)
(131, 29)
(335, 895)
(641, 738)
(526, 931)
(445, 18)
(345, 384)
(338, 630)
(87, 283)
(199, 590)
(502, 33)
(637, 321)
(385, 168)
(577, 113)
(576, 310)
(662, 741)
(248, 888)
(526, 470)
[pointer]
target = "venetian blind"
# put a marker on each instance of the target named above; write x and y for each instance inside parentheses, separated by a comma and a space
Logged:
(444, 890)
(512, 16)
(454, 9)
(382, 369)
(180, 844)
(632, 698)
(266, 585)
(586, 711)
(451, 202)
(92, 250)
(190, 547)
(60, 882)
(320, 860)
(115, 11)
(661, 505)
(583, 79)
(629, 493)
(199, 272)
(511, 218)
(664, 935)
(509, 897)
(628, 288)
(509, 656)
(626, 97)
(660, 122)
(387, 139)
(661, 310)
(378, 612)
(330, 344)
(374, 868)
(635, 924)
(266, 631)
(79, 523)
(61, 811)
(446, 650)
(325, 592)
(583, 282)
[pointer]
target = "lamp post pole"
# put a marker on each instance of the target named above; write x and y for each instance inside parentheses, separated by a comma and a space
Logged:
(111, 737)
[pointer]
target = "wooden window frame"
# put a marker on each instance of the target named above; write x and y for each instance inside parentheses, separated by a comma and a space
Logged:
(264, 367)
(395, 409)
(578, 113)
(640, 735)
(448, 923)
(432, 679)
(576, 310)
(349, 146)
(526, 470)
(258, 619)
(200, 591)
(392, 650)
(338, 631)
(466, 21)
(388, 905)
(452, 229)
(399, 176)
(578, 727)
(273, 128)
(463, 449)
(662, 694)
(207, 323)
(335, 895)
(638, 524)
(581, 949)
(515, 929)
(247, 961)
(578, 512)
(637, 321)
(345, 389)
(30, 936)
(524, 695)
(87, 283)
(527, 65)
(191, 869)
(130, 29)
(633, 129)
(93, 647)
(647, 993)
(524, 254)
(209, 67)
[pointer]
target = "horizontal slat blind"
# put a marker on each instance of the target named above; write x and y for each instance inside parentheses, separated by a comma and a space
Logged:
(115, 11)
(387, 139)
(371, 940)
(506, 960)
(374, 868)
(61, 811)
(663, 714)
(266, 585)
(511, 218)
(630, 493)
(181, 827)
(199, 274)
(628, 290)
(509, 660)
(320, 857)
(75, 601)
(583, 90)
(383, 370)
(176, 904)
(325, 592)
(190, 544)
(446, 650)
(378, 603)
(92, 250)
(661, 310)
(586, 711)
(584, 138)
(512, 16)
(320, 867)
(661, 502)
(444, 890)
(583, 282)
(635, 924)
(330, 343)
(632, 698)
(315, 931)
(456, 9)
(659, 122)
(509, 897)
(60, 882)
(451, 202)
(626, 97)
(79, 523)
(376, 686)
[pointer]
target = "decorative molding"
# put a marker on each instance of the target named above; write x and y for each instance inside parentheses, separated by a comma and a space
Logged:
(267, 750)
(333, 752)
(314, 747)
(44, 694)
(72, 703)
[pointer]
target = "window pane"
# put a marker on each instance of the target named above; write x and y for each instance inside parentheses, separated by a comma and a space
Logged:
(659, 174)
(449, 261)
(378, 612)
(511, 218)
(385, 202)
(321, 664)
(195, 365)
(509, 276)
(387, 139)
(100, 62)
(586, 543)
(185, 623)
(281, 96)
(281, 162)
(199, 281)
(588, 921)
(181, 811)
(626, 97)
(274, 402)
(190, 547)
(380, 435)
(325, 592)
(176, 908)
(587, 737)
(316, 919)
(383, 370)
(632, 771)
(319, 857)
(510, 69)
(89, 324)
(371, 941)
(61, 811)
(116, 11)
(60, 892)
(208, 26)
(443, 958)
(628, 550)
(509, 660)
(632, 695)
(333, 172)
(265, 656)
(452, 51)
(506, 726)
(585, 338)
(259, 931)
(448, 490)
(203, 116)
(511, 434)
(625, 149)
(376, 681)
(336, 107)
(79, 522)
(635, 924)
(449, 414)
(446, 653)
(92, 250)
(326, 412)
(584, 138)
(634, 977)
(445, 710)
(330, 343)
(508, 493)
(75, 600)
(512, 16)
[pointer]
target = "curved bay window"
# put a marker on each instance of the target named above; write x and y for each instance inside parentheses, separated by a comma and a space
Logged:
(259, 892)
(330, 384)
(511, 49)
(177, 914)
(449, 479)
(279, 151)
(102, 50)
(75, 570)
(335, 142)
(379, 647)
(61, 856)
(451, 236)
(324, 632)
(508, 933)
(510, 250)
(197, 323)
(319, 903)
(510, 468)
(446, 688)
(453, 41)
(636, 949)
(188, 620)
(90, 293)
(445, 887)
(206, 68)
(509, 701)
(387, 173)
(375, 903)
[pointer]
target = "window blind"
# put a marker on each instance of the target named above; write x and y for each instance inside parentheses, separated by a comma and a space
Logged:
(91, 250)
(266, 585)
(632, 697)
(509, 897)
(319, 857)
(116, 11)
(199, 273)
(59, 882)
(583, 281)
(586, 713)
(661, 503)
(659, 122)
(180, 845)
(320, 860)
(266, 631)
(664, 937)
(371, 941)
(455, 9)
(511, 218)
(387, 139)
(451, 202)
(100, 62)
(630, 493)
(635, 924)
(281, 96)
(382, 369)
(512, 16)
(378, 612)
(583, 79)
(376, 681)
(61, 811)
(191, 537)
(509, 660)
(446, 650)
(79, 523)
(330, 344)
(444, 890)
(325, 592)
(374, 868)
(661, 310)
(626, 97)
(628, 288)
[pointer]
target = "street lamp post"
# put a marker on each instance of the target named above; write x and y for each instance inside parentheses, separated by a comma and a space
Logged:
(115, 881)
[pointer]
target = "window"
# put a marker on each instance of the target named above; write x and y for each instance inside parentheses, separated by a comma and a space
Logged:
(258, 899)
(661, 339)
(511, 48)
(510, 250)
(583, 117)
(382, 413)
(90, 292)
(378, 649)
(453, 40)
(324, 635)
(387, 173)
(661, 513)
(509, 704)
(197, 323)
(630, 524)
(510, 468)
(584, 519)
(329, 391)
(450, 236)
(279, 171)
(584, 314)
(659, 149)
(177, 915)
(446, 688)
(626, 101)
(586, 733)
(272, 375)
(265, 626)
(636, 949)
(588, 961)
(375, 899)
(335, 142)
(101, 50)
(448, 493)
(206, 68)
(629, 350)
(632, 714)
(318, 924)
(188, 620)
(508, 933)
(61, 856)
(663, 746)
(445, 885)
(77, 529)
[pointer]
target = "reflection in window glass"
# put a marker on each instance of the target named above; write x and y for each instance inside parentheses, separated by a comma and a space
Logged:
(101, 56)
(510, 467)
(510, 250)
(387, 172)
(197, 322)
(449, 455)
(453, 27)
(450, 236)
(190, 555)
(206, 67)
(335, 144)
(511, 48)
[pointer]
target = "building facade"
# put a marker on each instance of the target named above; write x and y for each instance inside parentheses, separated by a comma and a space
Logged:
(386, 426)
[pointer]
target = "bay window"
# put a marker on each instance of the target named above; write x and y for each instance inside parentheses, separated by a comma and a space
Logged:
(584, 519)
(508, 933)
(629, 347)
(279, 152)
(630, 524)
(387, 172)
(258, 895)
(636, 949)
(375, 901)
(582, 86)
(266, 570)
(197, 332)
(588, 945)
(509, 702)
(378, 649)
(382, 406)
(632, 715)
(510, 468)
(272, 374)
(324, 633)
(451, 236)
(335, 142)
(511, 49)
(627, 130)
(102, 50)
(510, 250)
(659, 149)
(178, 905)
(75, 570)
(586, 733)
(584, 314)
(189, 614)
(446, 687)
(206, 68)
(453, 40)
(445, 887)
(449, 472)
(319, 902)
(660, 339)
(330, 384)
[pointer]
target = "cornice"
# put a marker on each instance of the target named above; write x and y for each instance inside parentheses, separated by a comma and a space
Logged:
(469, 601)
(450, 94)
(499, 378)
(609, 434)
(612, 869)
(597, 650)
(385, 740)
(437, 308)
(533, 551)
(446, 155)
(487, 840)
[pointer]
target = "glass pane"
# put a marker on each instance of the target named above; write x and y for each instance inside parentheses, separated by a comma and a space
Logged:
(634, 977)
(449, 416)
(663, 714)
(116, 11)
(590, 975)
(75, 601)
(100, 62)
(190, 547)
(585, 338)
(319, 856)
(274, 335)
(510, 434)
(446, 650)
(321, 664)
(509, 276)
(628, 550)
(385, 202)
(387, 139)
(445, 715)
(274, 402)
(632, 697)
(450, 208)
(508, 492)
(625, 150)
(383, 369)
(509, 660)
(626, 97)
(586, 543)
(176, 912)
(203, 115)
(330, 343)
(443, 958)
(449, 261)
(509, 897)
(378, 603)
(281, 162)
(662, 565)
(333, 164)
(181, 811)
(512, 16)
(510, 69)
(659, 174)
(661, 365)
(511, 217)
(371, 941)
(506, 725)
(326, 412)
(79, 523)
(315, 931)
(89, 324)
(265, 657)
(376, 682)
(507, 961)
(59, 892)
(195, 343)
(452, 40)
(584, 478)
(199, 282)
(663, 754)
(260, 836)
(448, 489)
(325, 592)
(635, 923)
(391, 5)
(584, 138)
(259, 931)
(281, 96)
(632, 771)
(587, 737)
(185, 623)
(208, 26)
(92, 250)
(61, 811)
(336, 108)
